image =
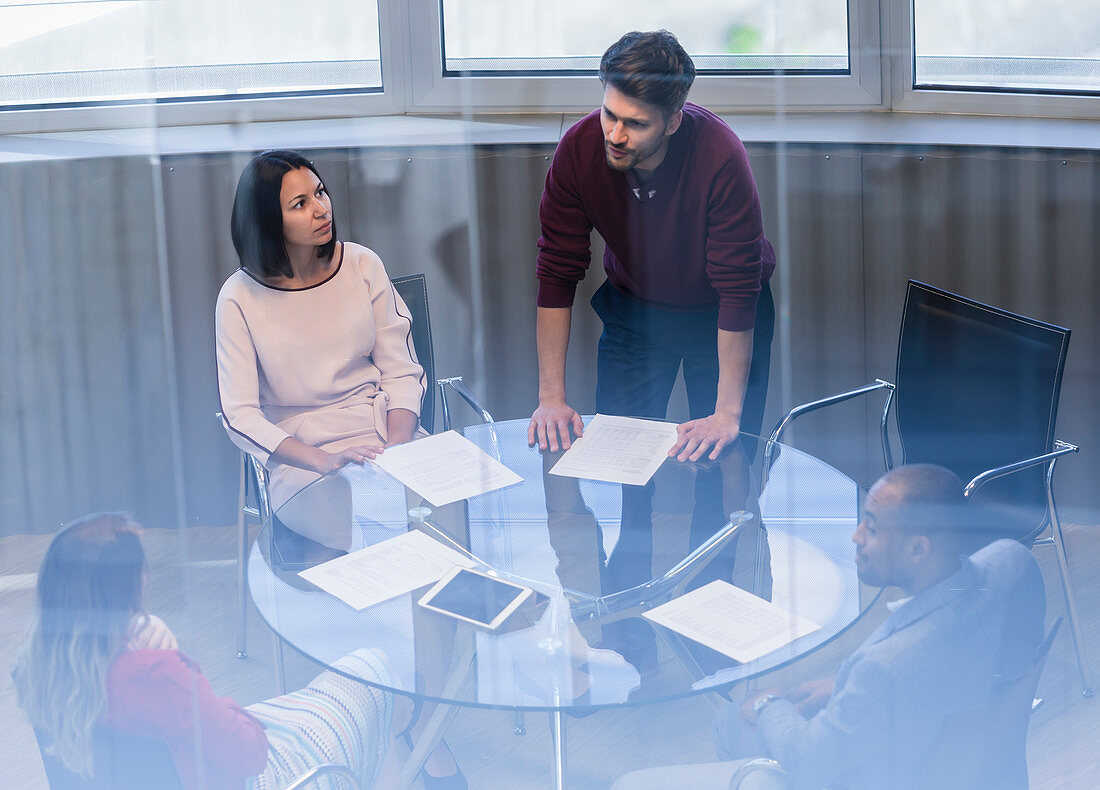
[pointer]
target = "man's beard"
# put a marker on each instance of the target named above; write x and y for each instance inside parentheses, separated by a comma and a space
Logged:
(633, 158)
(622, 163)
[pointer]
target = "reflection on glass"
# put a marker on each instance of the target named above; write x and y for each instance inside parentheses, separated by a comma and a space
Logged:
(721, 35)
(1007, 44)
(108, 50)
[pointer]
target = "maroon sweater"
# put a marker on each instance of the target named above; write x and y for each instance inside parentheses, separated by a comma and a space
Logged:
(696, 242)
(214, 742)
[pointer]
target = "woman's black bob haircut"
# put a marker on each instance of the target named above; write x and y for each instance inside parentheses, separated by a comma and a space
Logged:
(257, 221)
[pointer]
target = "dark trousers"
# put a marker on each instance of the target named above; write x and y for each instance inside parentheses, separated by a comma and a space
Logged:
(640, 352)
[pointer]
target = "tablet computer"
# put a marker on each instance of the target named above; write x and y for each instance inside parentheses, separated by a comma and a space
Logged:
(475, 598)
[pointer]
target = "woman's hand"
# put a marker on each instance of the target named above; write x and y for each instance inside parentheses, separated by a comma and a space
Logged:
(148, 632)
(295, 453)
(359, 454)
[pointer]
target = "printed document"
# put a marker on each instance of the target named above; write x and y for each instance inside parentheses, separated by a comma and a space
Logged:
(445, 468)
(732, 621)
(618, 450)
(386, 570)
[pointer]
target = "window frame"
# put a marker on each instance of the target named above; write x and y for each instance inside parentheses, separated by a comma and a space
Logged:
(881, 47)
(430, 91)
(974, 101)
(79, 116)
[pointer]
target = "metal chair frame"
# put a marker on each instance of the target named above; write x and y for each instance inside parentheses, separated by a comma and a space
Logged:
(1051, 521)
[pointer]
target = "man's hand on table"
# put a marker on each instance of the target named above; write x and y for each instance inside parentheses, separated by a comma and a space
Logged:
(550, 425)
(698, 436)
(748, 707)
(811, 696)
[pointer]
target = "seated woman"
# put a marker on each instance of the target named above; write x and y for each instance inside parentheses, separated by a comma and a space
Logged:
(316, 365)
(94, 658)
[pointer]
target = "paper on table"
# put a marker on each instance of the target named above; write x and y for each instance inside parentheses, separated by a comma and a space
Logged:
(618, 450)
(733, 622)
(445, 468)
(385, 570)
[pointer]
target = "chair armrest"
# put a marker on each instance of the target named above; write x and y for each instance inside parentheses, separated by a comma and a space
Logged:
(759, 765)
(806, 408)
(458, 385)
(1060, 448)
(325, 770)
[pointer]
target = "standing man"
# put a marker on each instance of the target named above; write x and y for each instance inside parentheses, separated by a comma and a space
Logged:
(668, 187)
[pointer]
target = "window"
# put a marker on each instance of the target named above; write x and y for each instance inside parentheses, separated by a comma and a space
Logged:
(724, 36)
(1007, 45)
(55, 52)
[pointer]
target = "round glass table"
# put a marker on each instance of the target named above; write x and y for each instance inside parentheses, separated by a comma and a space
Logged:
(597, 555)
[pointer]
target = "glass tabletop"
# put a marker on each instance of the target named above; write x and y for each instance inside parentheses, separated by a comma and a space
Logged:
(597, 555)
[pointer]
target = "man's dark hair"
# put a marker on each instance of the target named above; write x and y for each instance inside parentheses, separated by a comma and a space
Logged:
(257, 221)
(650, 67)
(932, 500)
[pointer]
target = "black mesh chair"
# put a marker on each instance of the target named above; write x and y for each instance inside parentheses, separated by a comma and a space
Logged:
(414, 292)
(977, 392)
(133, 762)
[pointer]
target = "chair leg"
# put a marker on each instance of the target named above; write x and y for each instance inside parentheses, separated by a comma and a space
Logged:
(242, 567)
(1067, 585)
(280, 668)
(1071, 605)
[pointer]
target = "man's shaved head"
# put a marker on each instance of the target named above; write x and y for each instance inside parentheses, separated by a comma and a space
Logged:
(908, 534)
(929, 498)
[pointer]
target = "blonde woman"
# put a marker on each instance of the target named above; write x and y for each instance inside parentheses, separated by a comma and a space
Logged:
(94, 657)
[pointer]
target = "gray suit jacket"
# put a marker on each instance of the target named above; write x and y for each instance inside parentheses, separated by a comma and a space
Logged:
(949, 649)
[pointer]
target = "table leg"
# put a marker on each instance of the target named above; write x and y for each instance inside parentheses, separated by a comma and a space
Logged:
(557, 735)
(280, 667)
(442, 715)
(437, 724)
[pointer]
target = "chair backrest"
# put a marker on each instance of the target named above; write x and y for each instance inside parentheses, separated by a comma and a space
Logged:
(977, 388)
(987, 747)
(414, 292)
(121, 762)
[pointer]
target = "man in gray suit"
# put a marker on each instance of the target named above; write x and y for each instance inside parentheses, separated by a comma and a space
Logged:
(965, 627)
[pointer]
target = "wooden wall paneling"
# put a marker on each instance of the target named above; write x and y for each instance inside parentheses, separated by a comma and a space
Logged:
(417, 215)
(198, 200)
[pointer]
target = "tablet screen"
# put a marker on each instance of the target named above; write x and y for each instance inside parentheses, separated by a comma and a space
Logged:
(475, 597)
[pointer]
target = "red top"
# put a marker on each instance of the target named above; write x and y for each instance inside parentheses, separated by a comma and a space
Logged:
(214, 742)
(696, 241)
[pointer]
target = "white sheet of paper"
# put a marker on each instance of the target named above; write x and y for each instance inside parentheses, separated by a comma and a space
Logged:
(445, 468)
(732, 621)
(385, 570)
(618, 450)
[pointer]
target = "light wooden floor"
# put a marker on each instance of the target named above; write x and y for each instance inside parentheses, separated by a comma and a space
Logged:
(192, 587)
